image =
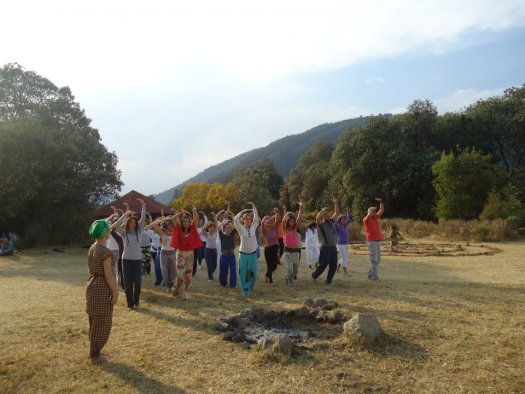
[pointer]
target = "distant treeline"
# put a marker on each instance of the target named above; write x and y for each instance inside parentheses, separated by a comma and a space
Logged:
(462, 165)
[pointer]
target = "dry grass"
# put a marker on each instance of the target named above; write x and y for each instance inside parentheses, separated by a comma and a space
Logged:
(449, 230)
(453, 324)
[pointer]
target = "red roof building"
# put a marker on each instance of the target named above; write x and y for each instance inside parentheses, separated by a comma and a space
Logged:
(153, 207)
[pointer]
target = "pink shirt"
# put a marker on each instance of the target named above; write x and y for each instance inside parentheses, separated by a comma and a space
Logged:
(291, 239)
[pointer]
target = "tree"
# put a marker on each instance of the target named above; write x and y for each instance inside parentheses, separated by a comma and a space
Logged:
(463, 182)
(501, 204)
(318, 152)
(53, 166)
(260, 184)
(500, 123)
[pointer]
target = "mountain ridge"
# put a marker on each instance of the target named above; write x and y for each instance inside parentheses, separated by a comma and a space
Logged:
(283, 152)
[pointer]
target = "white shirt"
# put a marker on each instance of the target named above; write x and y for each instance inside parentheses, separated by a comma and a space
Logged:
(248, 236)
(311, 239)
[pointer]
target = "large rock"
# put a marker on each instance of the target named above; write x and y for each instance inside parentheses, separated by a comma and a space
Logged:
(364, 325)
(278, 342)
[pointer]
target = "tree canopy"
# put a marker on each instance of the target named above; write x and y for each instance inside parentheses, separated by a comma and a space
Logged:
(53, 165)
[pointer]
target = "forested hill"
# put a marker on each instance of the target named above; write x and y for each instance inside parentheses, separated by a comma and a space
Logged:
(283, 153)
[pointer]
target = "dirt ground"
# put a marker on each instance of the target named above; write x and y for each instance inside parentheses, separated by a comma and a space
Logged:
(455, 323)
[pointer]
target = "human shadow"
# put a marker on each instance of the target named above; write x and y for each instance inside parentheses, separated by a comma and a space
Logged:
(138, 379)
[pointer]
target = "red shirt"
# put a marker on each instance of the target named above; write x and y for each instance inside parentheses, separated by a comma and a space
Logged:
(372, 229)
(186, 241)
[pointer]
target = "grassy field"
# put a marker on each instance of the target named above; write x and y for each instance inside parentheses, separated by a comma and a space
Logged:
(455, 324)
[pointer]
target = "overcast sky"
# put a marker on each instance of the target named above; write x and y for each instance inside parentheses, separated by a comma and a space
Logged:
(175, 87)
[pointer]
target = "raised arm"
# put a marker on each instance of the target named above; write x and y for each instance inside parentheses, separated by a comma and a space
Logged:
(121, 219)
(299, 215)
(142, 212)
(336, 208)
(256, 219)
(195, 217)
(348, 216)
(381, 207)
(320, 216)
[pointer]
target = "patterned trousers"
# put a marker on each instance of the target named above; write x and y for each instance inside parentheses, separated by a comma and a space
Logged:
(184, 270)
(99, 330)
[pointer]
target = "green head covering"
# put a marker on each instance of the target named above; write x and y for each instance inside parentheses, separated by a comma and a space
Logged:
(98, 229)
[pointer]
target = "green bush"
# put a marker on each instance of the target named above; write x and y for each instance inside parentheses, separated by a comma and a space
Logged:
(480, 232)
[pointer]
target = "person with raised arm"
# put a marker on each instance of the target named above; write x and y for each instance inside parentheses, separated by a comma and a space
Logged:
(209, 232)
(116, 246)
(373, 238)
(199, 253)
(185, 239)
(248, 262)
(227, 262)
(132, 253)
(154, 236)
(271, 244)
(292, 244)
(328, 237)
(218, 219)
(163, 226)
(343, 239)
(280, 232)
(311, 244)
(101, 291)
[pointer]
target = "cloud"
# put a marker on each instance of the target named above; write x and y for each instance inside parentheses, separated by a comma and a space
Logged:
(177, 86)
(374, 80)
(113, 43)
(461, 99)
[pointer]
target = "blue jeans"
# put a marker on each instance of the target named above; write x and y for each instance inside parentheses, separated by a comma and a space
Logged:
(374, 249)
(227, 263)
(158, 271)
(211, 261)
(132, 280)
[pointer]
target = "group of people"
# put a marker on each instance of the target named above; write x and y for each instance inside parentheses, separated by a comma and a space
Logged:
(180, 241)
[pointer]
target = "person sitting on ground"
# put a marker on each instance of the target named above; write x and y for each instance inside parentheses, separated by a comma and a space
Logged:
(7, 248)
(395, 236)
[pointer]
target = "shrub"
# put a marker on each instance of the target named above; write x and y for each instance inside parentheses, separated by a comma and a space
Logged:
(480, 232)
(501, 204)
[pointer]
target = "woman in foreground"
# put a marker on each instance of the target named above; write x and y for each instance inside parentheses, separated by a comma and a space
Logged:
(101, 292)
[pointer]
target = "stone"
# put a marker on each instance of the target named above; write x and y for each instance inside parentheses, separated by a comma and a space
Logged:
(228, 335)
(331, 304)
(334, 316)
(248, 312)
(320, 302)
(301, 312)
(223, 327)
(279, 342)
(238, 337)
(364, 325)
(309, 302)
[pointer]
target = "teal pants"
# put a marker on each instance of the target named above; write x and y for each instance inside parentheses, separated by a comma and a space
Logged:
(248, 267)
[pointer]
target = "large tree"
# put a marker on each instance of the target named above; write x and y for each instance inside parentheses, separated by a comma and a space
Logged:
(317, 155)
(53, 166)
(463, 183)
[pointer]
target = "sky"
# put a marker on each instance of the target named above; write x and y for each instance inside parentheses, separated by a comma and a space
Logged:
(174, 87)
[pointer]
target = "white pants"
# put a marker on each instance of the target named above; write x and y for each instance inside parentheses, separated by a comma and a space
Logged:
(343, 253)
(312, 254)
